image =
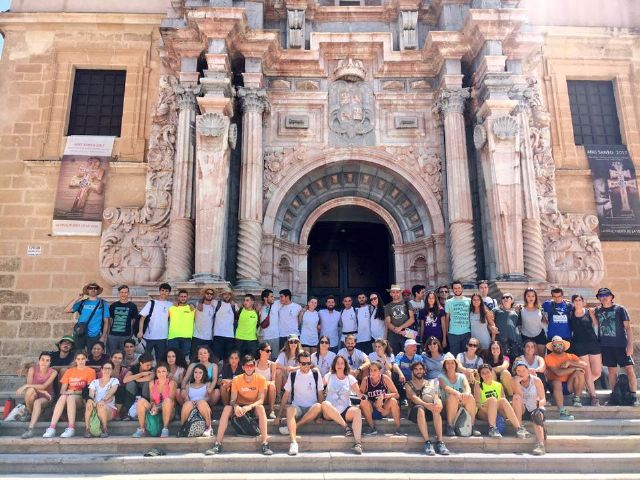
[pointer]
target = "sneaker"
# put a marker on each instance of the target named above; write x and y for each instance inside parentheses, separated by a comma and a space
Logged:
(595, 402)
(208, 432)
(577, 402)
(272, 415)
(494, 433)
(139, 433)
(565, 415)
(68, 433)
(428, 448)
(87, 434)
(367, 430)
(449, 431)
(284, 430)
(104, 435)
(164, 433)
(522, 433)
(636, 403)
(441, 448)
(293, 448)
(404, 403)
(266, 450)
(348, 432)
(399, 432)
(49, 433)
(357, 448)
(539, 449)
(476, 433)
(215, 450)
(27, 434)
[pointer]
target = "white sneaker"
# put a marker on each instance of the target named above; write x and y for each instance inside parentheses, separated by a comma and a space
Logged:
(49, 433)
(284, 430)
(68, 433)
(293, 448)
(208, 432)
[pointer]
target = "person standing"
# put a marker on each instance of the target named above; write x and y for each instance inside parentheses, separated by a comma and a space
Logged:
(378, 328)
(269, 321)
(329, 323)
(443, 294)
(556, 314)
(585, 344)
(364, 313)
(481, 320)
(122, 316)
(181, 321)
(398, 316)
(247, 327)
(483, 290)
(154, 323)
(287, 317)
(458, 323)
(309, 325)
(432, 320)
(506, 320)
(91, 315)
(348, 318)
(224, 317)
(616, 339)
(531, 321)
(203, 326)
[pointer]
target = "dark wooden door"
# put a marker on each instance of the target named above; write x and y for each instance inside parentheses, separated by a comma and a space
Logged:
(345, 258)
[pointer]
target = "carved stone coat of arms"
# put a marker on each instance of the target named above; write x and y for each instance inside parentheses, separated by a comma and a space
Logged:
(350, 109)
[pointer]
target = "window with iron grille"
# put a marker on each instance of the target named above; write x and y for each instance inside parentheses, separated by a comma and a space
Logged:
(96, 103)
(593, 113)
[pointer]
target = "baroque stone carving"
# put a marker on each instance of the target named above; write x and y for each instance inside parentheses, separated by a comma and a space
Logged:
(133, 246)
(350, 70)
(504, 127)
(275, 161)
(253, 99)
(186, 96)
(452, 100)
(573, 252)
(429, 162)
(211, 124)
(479, 136)
(295, 33)
(233, 135)
(408, 28)
(351, 109)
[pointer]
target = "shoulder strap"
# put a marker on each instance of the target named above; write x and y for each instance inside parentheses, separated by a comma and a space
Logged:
(293, 381)
(315, 379)
(153, 304)
(81, 307)
(93, 312)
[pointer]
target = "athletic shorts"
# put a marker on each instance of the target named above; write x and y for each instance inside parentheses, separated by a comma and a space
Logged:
(527, 414)
(616, 357)
(582, 349)
(301, 411)
(540, 339)
(413, 413)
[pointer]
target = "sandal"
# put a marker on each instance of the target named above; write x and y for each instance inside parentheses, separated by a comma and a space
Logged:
(87, 434)
(155, 452)
(348, 432)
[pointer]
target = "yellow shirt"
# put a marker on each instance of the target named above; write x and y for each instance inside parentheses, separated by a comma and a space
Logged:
(181, 320)
(247, 325)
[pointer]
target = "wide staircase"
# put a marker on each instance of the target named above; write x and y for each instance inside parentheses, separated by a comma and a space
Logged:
(602, 442)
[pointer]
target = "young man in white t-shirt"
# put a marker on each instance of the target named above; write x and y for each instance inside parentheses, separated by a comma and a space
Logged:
(287, 317)
(270, 333)
(306, 398)
(203, 327)
(156, 330)
(330, 323)
(224, 336)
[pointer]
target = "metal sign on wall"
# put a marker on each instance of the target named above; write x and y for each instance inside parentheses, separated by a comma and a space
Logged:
(616, 191)
(81, 186)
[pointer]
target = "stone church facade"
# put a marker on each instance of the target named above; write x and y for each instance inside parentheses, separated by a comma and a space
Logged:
(245, 124)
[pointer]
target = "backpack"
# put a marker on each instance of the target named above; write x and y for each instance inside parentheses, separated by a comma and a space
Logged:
(194, 426)
(246, 425)
(95, 428)
(153, 424)
(215, 312)
(501, 424)
(293, 381)
(147, 318)
(462, 424)
(621, 393)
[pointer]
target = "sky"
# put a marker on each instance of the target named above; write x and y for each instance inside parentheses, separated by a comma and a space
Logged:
(4, 5)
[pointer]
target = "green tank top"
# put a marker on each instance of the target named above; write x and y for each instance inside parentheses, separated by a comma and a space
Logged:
(247, 325)
(489, 391)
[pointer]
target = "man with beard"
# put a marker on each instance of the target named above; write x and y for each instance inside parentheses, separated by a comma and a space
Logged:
(224, 314)
(329, 321)
(425, 405)
(363, 314)
(357, 360)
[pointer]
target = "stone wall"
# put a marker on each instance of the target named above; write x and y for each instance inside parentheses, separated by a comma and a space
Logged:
(35, 85)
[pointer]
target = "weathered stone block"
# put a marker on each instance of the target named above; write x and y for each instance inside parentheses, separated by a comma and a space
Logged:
(9, 329)
(34, 329)
(11, 312)
(34, 313)
(15, 347)
(9, 264)
(61, 329)
(9, 296)
(56, 313)
(7, 281)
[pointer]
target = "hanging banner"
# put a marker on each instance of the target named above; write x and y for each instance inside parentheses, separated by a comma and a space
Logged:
(616, 191)
(81, 186)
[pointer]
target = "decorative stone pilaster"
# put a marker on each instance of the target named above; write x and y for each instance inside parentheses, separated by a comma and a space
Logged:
(295, 28)
(212, 157)
(181, 228)
(253, 102)
(450, 104)
(408, 21)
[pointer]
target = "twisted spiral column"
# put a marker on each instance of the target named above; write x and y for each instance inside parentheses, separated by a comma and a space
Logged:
(253, 102)
(463, 261)
(534, 264)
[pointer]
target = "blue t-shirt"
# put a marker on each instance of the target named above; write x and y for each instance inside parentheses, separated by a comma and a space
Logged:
(94, 328)
(558, 316)
(405, 363)
(458, 310)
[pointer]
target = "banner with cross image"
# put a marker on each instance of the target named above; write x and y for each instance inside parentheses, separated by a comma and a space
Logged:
(616, 191)
(81, 186)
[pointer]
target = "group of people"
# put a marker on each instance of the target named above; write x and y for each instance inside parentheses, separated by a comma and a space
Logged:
(447, 359)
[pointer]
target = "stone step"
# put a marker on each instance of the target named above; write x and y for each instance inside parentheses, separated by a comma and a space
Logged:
(606, 463)
(318, 443)
(594, 427)
(362, 475)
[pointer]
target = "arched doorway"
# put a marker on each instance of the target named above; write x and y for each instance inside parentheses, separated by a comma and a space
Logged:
(350, 250)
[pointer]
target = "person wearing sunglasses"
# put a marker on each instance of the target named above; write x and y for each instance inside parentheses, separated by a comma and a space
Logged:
(91, 317)
(302, 399)
(102, 397)
(358, 360)
(323, 357)
(506, 320)
(469, 360)
(378, 328)
(247, 398)
(267, 368)
(565, 374)
(287, 360)
(203, 326)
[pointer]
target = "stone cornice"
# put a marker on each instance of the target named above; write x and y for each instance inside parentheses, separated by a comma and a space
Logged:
(484, 25)
(8, 19)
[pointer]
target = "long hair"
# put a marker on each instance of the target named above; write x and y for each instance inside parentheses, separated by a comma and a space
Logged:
(205, 373)
(536, 303)
(435, 309)
(323, 337)
(379, 315)
(180, 361)
(480, 368)
(385, 344)
(334, 363)
(483, 308)
(489, 356)
(287, 350)
(433, 339)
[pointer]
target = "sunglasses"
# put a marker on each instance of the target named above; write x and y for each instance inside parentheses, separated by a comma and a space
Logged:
(305, 364)
(267, 350)
(472, 344)
(208, 293)
(432, 343)
(507, 298)
(373, 298)
(293, 341)
(249, 365)
(554, 345)
(324, 342)
(92, 288)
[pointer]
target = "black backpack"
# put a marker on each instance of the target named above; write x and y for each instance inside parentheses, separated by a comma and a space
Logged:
(147, 318)
(621, 393)
(293, 381)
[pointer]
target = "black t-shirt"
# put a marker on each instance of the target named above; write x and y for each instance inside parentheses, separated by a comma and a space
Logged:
(227, 374)
(56, 361)
(582, 330)
(122, 315)
(91, 362)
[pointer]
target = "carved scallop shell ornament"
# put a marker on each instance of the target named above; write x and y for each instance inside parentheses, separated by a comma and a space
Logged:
(505, 127)
(211, 125)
